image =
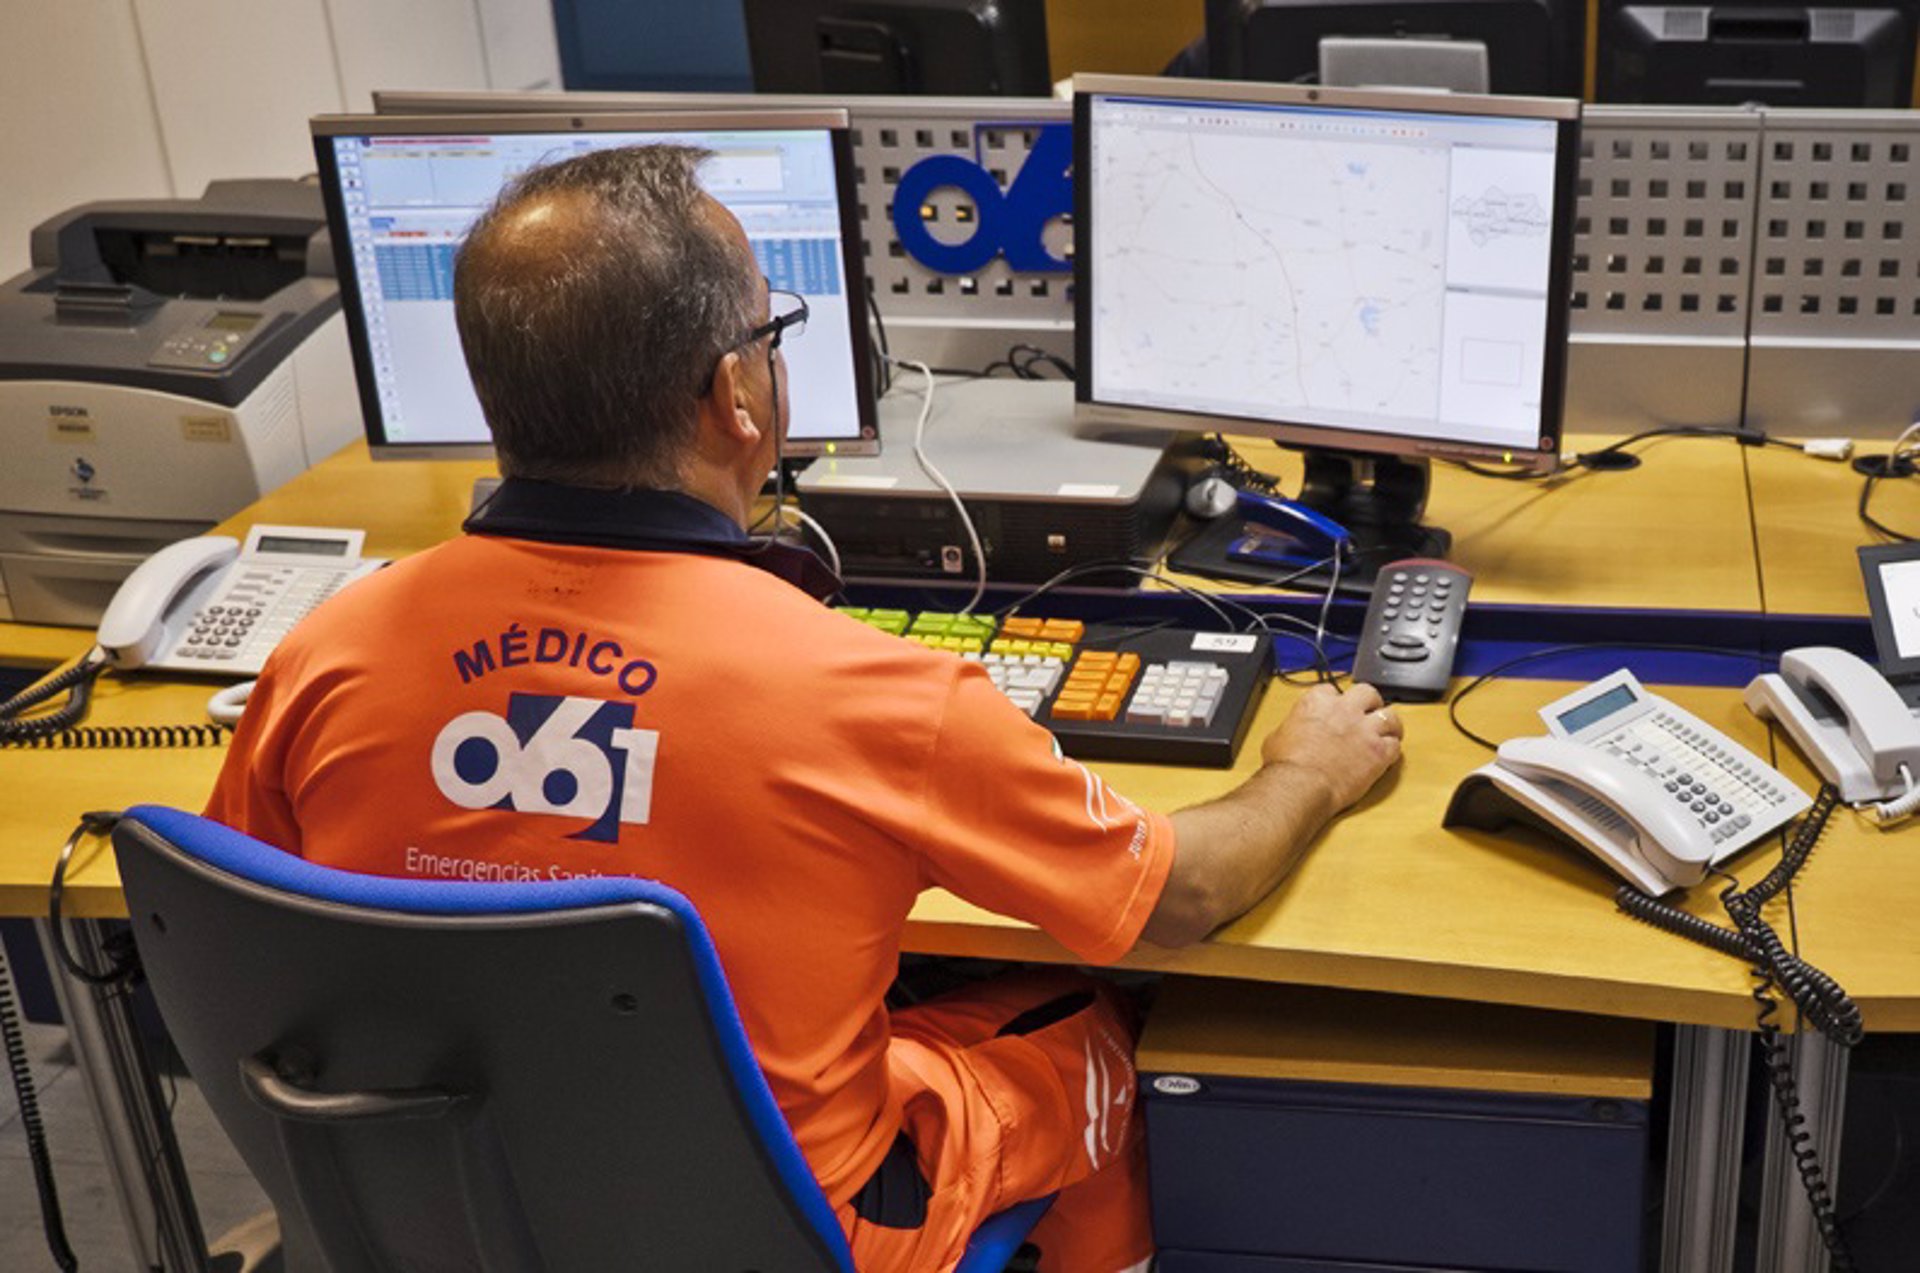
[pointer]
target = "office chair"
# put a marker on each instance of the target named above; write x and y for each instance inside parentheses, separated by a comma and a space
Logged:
(434, 1076)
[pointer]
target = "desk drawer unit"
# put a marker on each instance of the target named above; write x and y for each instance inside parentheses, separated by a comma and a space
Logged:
(1292, 1129)
(1354, 1176)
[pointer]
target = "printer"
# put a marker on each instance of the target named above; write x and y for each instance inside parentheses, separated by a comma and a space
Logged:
(163, 364)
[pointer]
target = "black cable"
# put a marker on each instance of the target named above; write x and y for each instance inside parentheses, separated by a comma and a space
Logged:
(1820, 1000)
(36, 1132)
(1554, 651)
(76, 682)
(1878, 527)
(1238, 469)
(882, 374)
(1747, 437)
(126, 961)
(89, 737)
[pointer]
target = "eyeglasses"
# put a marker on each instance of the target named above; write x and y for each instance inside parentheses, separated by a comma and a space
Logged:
(789, 318)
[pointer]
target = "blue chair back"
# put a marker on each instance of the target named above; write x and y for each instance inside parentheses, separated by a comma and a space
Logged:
(441, 1077)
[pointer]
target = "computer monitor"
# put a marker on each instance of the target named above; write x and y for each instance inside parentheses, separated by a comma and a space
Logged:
(1532, 46)
(402, 192)
(958, 48)
(1732, 55)
(1375, 277)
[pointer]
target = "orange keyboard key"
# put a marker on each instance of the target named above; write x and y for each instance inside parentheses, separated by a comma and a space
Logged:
(1067, 630)
(1073, 708)
(1107, 708)
(1128, 662)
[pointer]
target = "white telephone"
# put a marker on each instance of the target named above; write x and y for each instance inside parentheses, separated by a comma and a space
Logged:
(212, 605)
(1849, 722)
(1650, 789)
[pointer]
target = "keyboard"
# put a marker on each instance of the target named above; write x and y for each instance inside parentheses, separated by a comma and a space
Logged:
(1107, 691)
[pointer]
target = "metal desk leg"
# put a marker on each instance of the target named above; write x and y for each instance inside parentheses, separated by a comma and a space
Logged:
(1789, 1239)
(1703, 1149)
(142, 1154)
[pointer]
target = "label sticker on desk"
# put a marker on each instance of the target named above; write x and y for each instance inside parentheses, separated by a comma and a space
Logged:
(1176, 1085)
(1087, 490)
(860, 481)
(1225, 642)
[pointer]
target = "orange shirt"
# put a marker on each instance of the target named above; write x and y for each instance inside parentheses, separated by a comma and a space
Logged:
(509, 709)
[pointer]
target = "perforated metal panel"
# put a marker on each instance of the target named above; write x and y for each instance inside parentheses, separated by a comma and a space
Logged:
(1835, 337)
(1838, 250)
(1663, 231)
(1662, 255)
(965, 320)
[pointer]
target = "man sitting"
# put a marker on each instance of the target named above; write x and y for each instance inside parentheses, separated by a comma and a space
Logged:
(607, 675)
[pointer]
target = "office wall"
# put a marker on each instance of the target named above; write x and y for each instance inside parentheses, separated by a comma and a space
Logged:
(113, 99)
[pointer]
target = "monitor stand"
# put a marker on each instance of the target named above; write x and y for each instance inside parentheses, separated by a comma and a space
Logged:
(1377, 498)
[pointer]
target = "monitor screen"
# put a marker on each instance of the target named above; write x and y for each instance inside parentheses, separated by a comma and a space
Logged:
(959, 48)
(401, 194)
(1367, 271)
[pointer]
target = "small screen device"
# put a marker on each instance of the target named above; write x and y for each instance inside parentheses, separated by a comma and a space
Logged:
(402, 192)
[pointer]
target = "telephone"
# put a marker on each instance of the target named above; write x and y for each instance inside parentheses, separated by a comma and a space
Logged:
(1850, 723)
(212, 605)
(1650, 789)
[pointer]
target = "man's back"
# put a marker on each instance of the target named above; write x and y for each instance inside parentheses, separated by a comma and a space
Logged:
(503, 709)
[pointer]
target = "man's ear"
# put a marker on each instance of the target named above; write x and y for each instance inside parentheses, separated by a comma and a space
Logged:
(726, 405)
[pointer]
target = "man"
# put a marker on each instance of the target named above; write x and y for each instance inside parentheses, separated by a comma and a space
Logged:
(607, 675)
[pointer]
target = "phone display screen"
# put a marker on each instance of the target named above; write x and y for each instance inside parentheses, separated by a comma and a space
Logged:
(304, 547)
(1597, 708)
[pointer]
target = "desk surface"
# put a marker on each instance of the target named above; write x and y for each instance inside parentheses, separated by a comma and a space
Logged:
(1385, 901)
(1672, 534)
(1807, 529)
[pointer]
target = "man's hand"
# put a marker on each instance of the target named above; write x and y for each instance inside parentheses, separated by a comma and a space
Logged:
(1231, 852)
(1345, 741)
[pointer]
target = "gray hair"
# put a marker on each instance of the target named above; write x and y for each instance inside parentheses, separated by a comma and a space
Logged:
(590, 351)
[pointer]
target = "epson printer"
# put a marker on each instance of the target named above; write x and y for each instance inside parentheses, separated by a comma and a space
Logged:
(162, 365)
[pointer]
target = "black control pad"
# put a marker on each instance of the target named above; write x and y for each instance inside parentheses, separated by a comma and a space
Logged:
(1413, 629)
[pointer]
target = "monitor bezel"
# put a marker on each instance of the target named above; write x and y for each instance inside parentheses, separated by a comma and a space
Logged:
(1565, 112)
(833, 122)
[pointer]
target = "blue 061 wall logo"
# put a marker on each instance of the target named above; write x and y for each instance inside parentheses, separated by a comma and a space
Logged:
(564, 757)
(1011, 223)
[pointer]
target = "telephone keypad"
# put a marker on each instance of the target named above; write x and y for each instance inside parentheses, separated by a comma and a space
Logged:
(1726, 799)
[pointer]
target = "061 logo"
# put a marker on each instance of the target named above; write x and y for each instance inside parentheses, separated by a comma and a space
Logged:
(566, 757)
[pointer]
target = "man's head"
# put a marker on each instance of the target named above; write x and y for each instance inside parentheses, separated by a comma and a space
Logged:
(601, 302)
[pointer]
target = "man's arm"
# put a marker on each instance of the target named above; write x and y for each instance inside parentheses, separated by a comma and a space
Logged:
(1231, 852)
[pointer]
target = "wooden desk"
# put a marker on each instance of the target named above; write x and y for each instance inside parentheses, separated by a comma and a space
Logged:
(1807, 529)
(1672, 534)
(1386, 901)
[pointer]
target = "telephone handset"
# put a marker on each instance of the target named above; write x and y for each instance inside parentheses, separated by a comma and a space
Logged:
(1849, 722)
(215, 606)
(209, 605)
(1645, 786)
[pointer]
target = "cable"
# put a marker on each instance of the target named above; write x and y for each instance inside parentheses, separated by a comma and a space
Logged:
(126, 960)
(940, 480)
(1898, 462)
(820, 532)
(1820, 1000)
(95, 737)
(75, 681)
(1554, 651)
(36, 1132)
(1887, 812)
(883, 370)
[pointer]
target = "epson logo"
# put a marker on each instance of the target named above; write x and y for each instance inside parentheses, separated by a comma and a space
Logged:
(562, 757)
(1010, 224)
(71, 413)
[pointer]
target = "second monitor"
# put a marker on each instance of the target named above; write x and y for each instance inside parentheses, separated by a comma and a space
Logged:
(402, 192)
(1377, 278)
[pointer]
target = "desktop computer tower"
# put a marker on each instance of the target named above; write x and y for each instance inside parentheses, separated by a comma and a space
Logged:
(1046, 494)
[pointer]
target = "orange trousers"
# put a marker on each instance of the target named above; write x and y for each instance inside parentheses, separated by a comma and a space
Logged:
(1013, 1089)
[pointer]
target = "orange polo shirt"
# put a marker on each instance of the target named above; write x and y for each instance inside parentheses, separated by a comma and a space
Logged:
(501, 708)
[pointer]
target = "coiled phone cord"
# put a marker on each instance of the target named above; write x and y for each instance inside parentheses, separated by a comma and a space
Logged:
(36, 1132)
(102, 736)
(76, 681)
(1823, 1004)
